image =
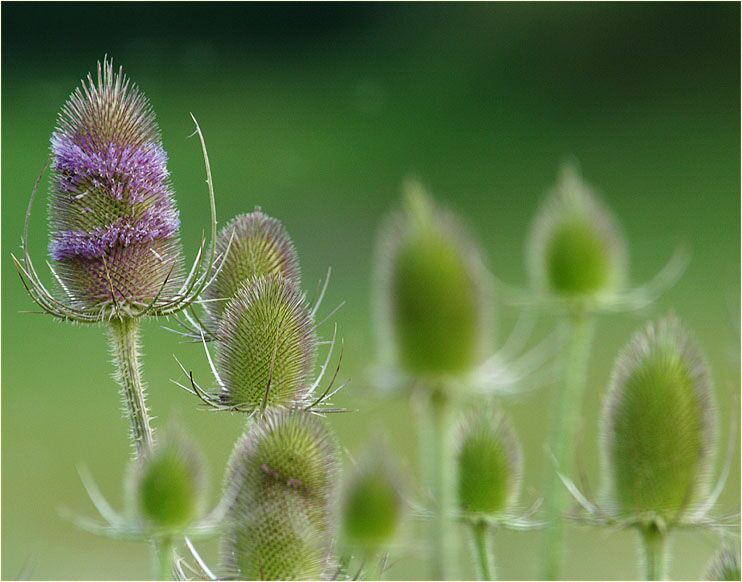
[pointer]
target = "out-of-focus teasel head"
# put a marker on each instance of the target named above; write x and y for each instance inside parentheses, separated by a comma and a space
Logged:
(659, 426)
(373, 505)
(169, 485)
(576, 249)
(433, 291)
(281, 490)
(490, 467)
(724, 565)
(113, 219)
(251, 245)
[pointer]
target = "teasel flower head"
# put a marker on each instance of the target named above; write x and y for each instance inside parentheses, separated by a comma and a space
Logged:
(373, 503)
(576, 249)
(724, 565)
(433, 291)
(280, 490)
(169, 484)
(113, 219)
(251, 245)
(490, 466)
(659, 427)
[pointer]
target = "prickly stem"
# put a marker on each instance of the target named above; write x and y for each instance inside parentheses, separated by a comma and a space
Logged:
(654, 555)
(482, 547)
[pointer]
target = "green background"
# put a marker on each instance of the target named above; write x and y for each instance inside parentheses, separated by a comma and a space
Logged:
(317, 113)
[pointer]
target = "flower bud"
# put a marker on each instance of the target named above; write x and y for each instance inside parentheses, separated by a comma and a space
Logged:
(489, 465)
(434, 294)
(170, 484)
(112, 213)
(268, 345)
(724, 565)
(659, 425)
(576, 248)
(256, 245)
(372, 504)
(280, 484)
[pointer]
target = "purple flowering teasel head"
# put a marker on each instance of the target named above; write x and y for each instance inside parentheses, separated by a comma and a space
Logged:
(114, 225)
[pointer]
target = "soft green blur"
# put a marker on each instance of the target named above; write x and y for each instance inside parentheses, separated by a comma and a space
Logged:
(317, 113)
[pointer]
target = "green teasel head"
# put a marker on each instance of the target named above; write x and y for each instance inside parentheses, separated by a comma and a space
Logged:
(267, 346)
(169, 484)
(576, 248)
(659, 426)
(372, 504)
(433, 290)
(281, 488)
(724, 565)
(490, 465)
(252, 245)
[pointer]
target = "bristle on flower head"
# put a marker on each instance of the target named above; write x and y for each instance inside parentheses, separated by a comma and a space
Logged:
(253, 245)
(169, 484)
(725, 564)
(659, 425)
(576, 248)
(268, 346)
(490, 465)
(280, 486)
(433, 290)
(113, 215)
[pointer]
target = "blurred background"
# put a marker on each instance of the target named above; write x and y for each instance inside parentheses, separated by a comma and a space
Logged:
(317, 112)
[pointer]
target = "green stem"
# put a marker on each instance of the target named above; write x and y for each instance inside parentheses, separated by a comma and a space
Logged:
(483, 550)
(125, 347)
(439, 467)
(164, 558)
(654, 546)
(565, 421)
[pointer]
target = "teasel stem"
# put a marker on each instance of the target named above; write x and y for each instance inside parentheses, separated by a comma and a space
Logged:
(125, 347)
(485, 557)
(164, 562)
(564, 424)
(439, 466)
(654, 546)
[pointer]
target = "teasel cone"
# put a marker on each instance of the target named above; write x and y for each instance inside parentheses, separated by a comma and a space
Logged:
(725, 564)
(280, 490)
(576, 249)
(433, 293)
(113, 220)
(251, 245)
(267, 346)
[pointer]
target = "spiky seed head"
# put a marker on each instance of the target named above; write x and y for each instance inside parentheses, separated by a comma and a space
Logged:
(281, 488)
(268, 345)
(253, 245)
(724, 565)
(372, 503)
(169, 484)
(433, 290)
(576, 248)
(490, 465)
(113, 217)
(659, 425)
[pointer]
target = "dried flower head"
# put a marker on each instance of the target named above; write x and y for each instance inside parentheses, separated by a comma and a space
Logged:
(576, 249)
(659, 426)
(280, 488)
(490, 465)
(724, 565)
(433, 293)
(253, 245)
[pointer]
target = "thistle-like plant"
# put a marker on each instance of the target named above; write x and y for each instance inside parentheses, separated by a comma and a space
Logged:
(281, 491)
(724, 565)
(659, 430)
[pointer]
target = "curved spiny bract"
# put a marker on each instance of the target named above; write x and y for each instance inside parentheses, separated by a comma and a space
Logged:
(490, 466)
(112, 212)
(433, 294)
(576, 249)
(169, 484)
(253, 245)
(267, 346)
(372, 504)
(724, 565)
(280, 490)
(659, 426)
